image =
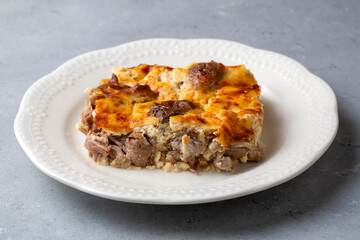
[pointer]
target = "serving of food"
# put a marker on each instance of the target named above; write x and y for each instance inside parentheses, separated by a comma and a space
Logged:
(204, 116)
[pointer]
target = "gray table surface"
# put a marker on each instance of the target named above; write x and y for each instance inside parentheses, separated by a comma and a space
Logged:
(322, 203)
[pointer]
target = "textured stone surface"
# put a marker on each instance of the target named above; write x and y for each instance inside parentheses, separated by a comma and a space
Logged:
(323, 202)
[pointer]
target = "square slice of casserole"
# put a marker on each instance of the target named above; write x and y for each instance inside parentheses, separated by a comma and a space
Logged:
(204, 116)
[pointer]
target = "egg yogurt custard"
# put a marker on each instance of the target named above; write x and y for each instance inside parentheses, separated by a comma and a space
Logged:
(204, 116)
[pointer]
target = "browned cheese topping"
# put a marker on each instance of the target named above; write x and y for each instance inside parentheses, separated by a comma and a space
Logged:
(221, 99)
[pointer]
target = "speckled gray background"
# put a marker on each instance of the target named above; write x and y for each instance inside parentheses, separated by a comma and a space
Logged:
(322, 203)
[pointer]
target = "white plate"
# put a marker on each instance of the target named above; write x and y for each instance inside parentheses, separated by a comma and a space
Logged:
(301, 121)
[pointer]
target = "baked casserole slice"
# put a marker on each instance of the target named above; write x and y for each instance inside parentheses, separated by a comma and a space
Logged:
(204, 116)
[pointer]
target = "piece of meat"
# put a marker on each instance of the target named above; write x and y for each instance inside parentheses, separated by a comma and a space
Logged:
(138, 93)
(237, 152)
(97, 150)
(146, 68)
(138, 149)
(250, 149)
(87, 123)
(121, 162)
(172, 157)
(115, 151)
(108, 88)
(166, 109)
(118, 158)
(224, 163)
(133, 149)
(256, 152)
(192, 145)
(176, 143)
(96, 147)
(117, 148)
(86, 120)
(113, 79)
(186, 147)
(116, 140)
(86, 117)
(214, 147)
(206, 75)
(142, 91)
(217, 152)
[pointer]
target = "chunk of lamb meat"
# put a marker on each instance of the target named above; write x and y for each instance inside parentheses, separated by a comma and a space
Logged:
(237, 152)
(87, 123)
(86, 120)
(97, 150)
(119, 159)
(166, 109)
(138, 149)
(114, 79)
(186, 148)
(143, 91)
(206, 75)
(117, 154)
(253, 151)
(172, 156)
(214, 147)
(135, 149)
(139, 93)
(220, 161)
(224, 163)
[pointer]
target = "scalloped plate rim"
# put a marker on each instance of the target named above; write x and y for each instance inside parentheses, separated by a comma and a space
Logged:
(162, 200)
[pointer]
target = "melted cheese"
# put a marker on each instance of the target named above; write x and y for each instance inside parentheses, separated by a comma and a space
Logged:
(231, 111)
(112, 115)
